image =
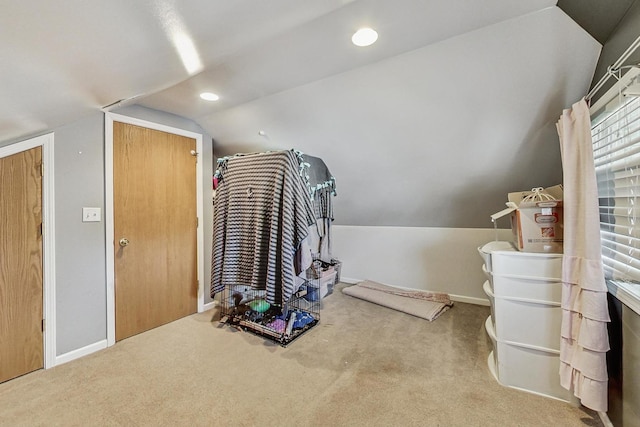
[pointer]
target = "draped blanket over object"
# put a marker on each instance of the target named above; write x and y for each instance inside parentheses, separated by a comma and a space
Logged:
(262, 213)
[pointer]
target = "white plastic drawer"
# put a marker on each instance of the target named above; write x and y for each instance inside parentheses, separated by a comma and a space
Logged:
(530, 369)
(487, 274)
(489, 326)
(528, 323)
(487, 290)
(497, 245)
(526, 264)
(531, 289)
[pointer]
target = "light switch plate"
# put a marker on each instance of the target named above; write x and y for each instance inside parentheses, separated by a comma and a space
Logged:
(91, 215)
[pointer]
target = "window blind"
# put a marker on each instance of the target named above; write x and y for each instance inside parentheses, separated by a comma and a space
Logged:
(616, 151)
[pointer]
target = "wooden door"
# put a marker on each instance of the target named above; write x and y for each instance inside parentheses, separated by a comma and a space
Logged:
(21, 337)
(154, 202)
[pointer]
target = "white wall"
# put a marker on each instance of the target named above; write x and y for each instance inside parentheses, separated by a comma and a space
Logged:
(431, 259)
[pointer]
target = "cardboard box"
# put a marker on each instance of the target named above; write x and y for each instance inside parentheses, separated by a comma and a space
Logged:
(537, 224)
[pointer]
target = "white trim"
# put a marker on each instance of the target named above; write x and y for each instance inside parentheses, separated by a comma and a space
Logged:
(625, 293)
(109, 226)
(48, 239)
(605, 419)
(470, 300)
(350, 280)
(81, 352)
(109, 229)
(49, 247)
(208, 306)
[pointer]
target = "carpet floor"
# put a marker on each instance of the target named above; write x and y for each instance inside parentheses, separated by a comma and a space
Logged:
(362, 365)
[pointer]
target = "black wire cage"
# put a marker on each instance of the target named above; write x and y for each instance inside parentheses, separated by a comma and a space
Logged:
(245, 307)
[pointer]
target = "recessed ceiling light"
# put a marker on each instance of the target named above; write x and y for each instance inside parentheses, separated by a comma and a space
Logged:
(364, 37)
(209, 96)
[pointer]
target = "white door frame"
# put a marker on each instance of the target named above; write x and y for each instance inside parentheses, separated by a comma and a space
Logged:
(109, 218)
(48, 240)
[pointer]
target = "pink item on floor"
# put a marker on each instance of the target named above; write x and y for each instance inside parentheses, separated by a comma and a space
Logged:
(278, 325)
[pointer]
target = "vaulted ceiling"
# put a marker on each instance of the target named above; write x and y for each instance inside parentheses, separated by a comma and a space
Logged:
(453, 106)
(61, 60)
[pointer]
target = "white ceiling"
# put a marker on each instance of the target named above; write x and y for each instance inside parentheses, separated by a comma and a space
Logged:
(63, 60)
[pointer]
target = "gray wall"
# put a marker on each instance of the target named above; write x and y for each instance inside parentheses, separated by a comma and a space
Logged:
(435, 137)
(80, 247)
(627, 31)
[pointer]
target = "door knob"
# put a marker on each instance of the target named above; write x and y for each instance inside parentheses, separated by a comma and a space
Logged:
(124, 242)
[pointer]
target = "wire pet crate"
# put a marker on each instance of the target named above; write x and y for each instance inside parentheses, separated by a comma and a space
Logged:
(247, 308)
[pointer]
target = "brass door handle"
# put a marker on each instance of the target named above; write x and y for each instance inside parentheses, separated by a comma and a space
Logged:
(124, 242)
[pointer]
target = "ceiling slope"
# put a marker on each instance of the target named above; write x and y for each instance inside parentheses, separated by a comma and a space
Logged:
(62, 60)
(434, 137)
(322, 48)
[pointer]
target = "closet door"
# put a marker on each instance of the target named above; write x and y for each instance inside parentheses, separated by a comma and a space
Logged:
(21, 337)
(155, 223)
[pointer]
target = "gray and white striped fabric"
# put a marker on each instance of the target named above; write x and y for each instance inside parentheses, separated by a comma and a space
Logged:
(262, 213)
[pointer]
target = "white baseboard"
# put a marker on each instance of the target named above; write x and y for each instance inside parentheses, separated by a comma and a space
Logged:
(350, 280)
(605, 419)
(208, 306)
(470, 300)
(81, 352)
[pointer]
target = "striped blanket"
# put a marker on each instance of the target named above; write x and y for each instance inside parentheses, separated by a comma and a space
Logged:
(262, 213)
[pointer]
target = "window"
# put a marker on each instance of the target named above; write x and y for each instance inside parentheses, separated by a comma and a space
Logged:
(616, 148)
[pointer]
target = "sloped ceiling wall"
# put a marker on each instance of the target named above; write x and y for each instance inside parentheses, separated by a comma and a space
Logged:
(451, 109)
(319, 48)
(62, 61)
(437, 136)
(626, 32)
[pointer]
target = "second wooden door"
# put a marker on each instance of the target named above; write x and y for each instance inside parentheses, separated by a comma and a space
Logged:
(155, 226)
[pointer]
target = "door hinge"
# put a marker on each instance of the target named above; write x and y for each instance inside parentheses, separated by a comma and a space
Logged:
(41, 229)
(42, 169)
(43, 325)
(197, 222)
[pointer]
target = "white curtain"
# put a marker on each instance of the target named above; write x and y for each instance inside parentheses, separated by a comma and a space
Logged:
(584, 337)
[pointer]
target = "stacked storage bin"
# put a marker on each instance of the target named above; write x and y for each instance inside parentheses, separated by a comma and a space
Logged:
(525, 291)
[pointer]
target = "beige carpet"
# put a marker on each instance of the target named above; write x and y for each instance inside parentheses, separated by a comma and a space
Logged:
(426, 305)
(363, 365)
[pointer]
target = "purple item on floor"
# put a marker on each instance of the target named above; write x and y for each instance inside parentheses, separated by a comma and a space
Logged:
(278, 325)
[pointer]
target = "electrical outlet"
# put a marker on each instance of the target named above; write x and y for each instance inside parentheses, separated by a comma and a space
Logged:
(91, 215)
